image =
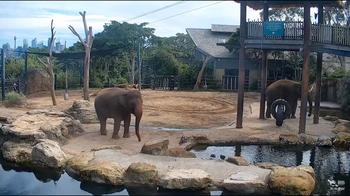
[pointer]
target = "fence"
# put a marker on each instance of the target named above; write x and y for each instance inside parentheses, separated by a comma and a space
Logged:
(320, 33)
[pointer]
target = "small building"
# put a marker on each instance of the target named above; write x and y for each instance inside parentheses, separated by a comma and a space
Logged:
(224, 62)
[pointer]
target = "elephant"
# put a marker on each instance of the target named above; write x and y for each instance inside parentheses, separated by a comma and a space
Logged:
(288, 90)
(119, 104)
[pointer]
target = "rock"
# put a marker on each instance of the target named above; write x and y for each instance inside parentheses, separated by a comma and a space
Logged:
(307, 169)
(342, 126)
(238, 160)
(42, 124)
(193, 179)
(212, 155)
(291, 181)
(37, 81)
(324, 141)
(48, 153)
(246, 184)
(156, 147)
(84, 111)
(78, 163)
(141, 174)
(342, 140)
(330, 118)
(222, 157)
(103, 172)
(180, 152)
(17, 152)
(289, 138)
(307, 139)
(268, 165)
(194, 140)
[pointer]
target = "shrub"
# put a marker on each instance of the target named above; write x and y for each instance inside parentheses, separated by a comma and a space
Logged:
(14, 99)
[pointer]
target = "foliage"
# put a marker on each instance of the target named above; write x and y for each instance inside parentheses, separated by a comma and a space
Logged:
(337, 73)
(345, 93)
(14, 99)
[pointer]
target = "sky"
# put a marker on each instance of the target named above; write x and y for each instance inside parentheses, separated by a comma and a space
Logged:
(31, 19)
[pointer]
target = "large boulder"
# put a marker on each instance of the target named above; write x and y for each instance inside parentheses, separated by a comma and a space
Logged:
(193, 179)
(20, 153)
(103, 172)
(37, 81)
(292, 181)
(77, 163)
(246, 184)
(47, 153)
(268, 165)
(141, 174)
(156, 147)
(238, 160)
(342, 126)
(42, 124)
(84, 111)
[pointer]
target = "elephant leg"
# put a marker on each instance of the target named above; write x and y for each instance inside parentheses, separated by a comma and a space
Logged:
(103, 122)
(268, 109)
(117, 121)
(293, 108)
(127, 120)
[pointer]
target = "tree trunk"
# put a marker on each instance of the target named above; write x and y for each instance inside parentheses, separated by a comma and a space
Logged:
(200, 74)
(86, 74)
(52, 87)
(133, 67)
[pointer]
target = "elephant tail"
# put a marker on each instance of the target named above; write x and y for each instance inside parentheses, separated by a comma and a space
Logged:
(138, 115)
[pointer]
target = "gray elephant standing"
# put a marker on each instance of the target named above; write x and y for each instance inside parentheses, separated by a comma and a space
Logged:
(288, 90)
(119, 104)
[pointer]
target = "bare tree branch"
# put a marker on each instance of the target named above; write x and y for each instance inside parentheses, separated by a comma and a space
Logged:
(76, 34)
(85, 25)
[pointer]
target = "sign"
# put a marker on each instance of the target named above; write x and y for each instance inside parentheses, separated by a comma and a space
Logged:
(273, 28)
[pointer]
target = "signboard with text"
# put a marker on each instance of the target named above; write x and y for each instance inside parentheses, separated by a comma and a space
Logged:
(273, 28)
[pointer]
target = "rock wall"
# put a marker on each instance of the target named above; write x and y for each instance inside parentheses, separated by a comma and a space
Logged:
(37, 81)
(34, 138)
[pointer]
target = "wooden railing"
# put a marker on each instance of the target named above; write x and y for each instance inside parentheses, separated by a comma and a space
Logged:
(323, 34)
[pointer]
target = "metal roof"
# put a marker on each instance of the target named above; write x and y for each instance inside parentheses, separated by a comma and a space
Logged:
(206, 40)
(257, 5)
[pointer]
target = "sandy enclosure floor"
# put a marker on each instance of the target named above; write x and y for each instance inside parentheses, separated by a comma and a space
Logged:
(170, 109)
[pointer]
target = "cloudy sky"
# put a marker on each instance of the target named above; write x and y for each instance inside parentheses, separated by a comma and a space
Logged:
(31, 19)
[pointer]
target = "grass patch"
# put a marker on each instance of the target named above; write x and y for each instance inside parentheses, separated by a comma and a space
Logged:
(14, 99)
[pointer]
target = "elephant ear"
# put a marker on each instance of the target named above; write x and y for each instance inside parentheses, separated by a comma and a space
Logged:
(312, 87)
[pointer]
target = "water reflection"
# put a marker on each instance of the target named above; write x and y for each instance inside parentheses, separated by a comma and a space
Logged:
(332, 166)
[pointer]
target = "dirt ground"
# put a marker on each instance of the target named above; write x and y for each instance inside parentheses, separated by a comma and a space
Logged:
(169, 109)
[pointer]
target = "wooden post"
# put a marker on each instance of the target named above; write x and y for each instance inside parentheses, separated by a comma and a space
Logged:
(240, 100)
(318, 71)
(263, 77)
(3, 74)
(305, 77)
(139, 64)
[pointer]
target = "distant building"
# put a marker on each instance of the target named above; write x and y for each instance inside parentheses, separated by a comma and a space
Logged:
(14, 41)
(25, 43)
(34, 43)
(6, 46)
(224, 62)
(41, 45)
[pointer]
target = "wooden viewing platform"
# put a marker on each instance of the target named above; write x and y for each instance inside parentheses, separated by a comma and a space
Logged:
(300, 36)
(333, 39)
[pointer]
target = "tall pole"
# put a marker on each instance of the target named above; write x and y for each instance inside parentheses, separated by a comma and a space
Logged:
(318, 71)
(3, 74)
(264, 70)
(25, 72)
(240, 100)
(139, 63)
(305, 77)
